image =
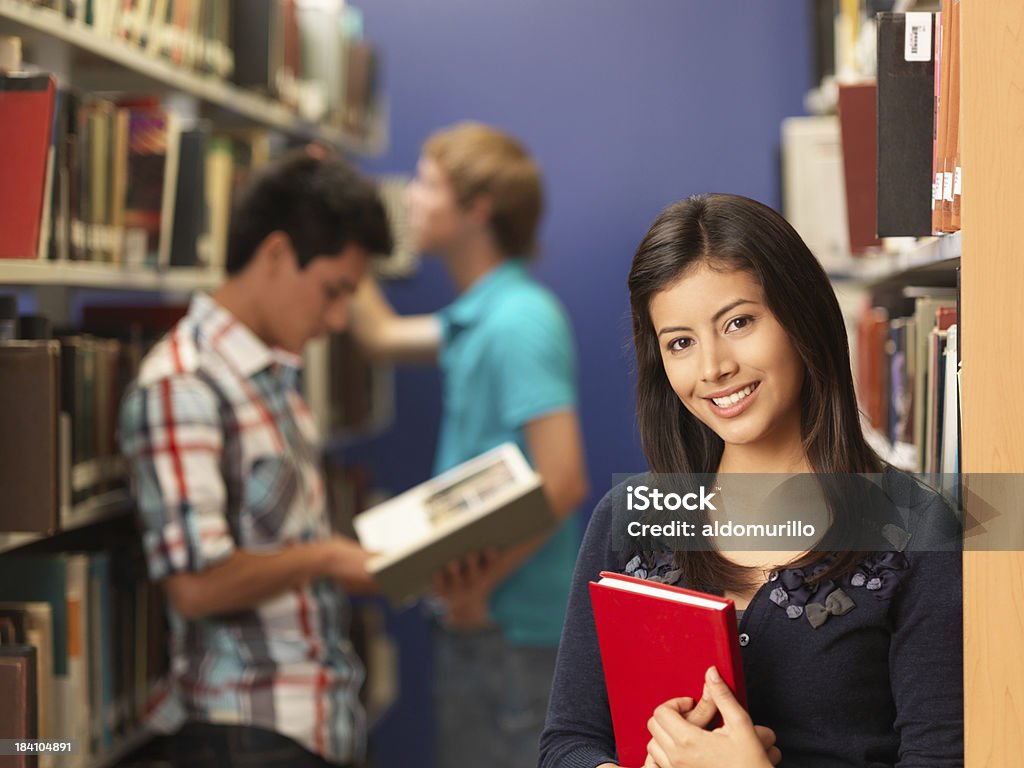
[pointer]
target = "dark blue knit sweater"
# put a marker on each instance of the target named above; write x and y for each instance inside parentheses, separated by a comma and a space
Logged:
(879, 686)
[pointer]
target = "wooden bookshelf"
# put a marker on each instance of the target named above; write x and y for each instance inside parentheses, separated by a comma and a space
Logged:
(992, 141)
(145, 72)
(98, 64)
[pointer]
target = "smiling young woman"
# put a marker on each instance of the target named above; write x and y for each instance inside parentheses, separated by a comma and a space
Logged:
(743, 367)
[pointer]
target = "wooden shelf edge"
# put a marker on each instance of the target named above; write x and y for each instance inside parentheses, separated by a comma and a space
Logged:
(247, 104)
(11, 541)
(97, 509)
(84, 274)
(928, 252)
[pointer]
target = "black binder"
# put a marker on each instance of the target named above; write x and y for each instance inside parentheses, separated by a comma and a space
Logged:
(906, 107)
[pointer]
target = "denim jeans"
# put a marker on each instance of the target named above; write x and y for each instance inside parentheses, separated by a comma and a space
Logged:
(206, 745)
(490, 699)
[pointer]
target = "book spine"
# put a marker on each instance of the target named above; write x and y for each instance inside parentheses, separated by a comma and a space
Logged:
(906, 105)
(941, 102)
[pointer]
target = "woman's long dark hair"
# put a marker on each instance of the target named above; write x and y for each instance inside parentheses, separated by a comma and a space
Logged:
(729, 232)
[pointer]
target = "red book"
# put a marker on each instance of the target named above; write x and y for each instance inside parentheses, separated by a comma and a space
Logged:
(858, 117)
(657, 643)
(945, 317)
(26, 128)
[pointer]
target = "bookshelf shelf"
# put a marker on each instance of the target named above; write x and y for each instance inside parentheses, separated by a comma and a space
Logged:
(927, 254)
(106, 276)
(149, 71)
(9, 541)
(94, 510)
(88, 474)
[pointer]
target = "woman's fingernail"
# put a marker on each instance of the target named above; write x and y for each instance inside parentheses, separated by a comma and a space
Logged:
(713, 676)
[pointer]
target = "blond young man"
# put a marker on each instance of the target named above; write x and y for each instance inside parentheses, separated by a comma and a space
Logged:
(506, 353)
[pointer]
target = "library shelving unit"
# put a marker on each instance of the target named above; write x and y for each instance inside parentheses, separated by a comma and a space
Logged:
(988, 252)
(113, 64)
(92, 62)
(992, 287)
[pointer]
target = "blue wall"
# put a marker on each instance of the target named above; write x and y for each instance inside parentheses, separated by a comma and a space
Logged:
(628, 106)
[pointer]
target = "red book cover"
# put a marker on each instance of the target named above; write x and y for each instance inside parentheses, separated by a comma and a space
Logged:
(945, 317)
(857, 119)
(657, 642)
(26, 128)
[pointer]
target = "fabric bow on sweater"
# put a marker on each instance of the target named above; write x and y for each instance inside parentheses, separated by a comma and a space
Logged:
(838, 603)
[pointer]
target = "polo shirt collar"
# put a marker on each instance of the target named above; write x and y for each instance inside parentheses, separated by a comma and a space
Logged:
(232, 340)
(471, 305)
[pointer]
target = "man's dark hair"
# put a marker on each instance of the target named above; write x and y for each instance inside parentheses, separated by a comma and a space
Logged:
(318, 200)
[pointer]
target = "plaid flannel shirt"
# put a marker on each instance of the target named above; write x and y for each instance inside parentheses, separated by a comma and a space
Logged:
(222, 455)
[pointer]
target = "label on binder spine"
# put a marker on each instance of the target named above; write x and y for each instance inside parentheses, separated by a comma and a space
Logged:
(956, 182)
(947, 187)
(917, 44)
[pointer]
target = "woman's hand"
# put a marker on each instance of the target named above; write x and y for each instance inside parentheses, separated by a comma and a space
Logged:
(680, 741)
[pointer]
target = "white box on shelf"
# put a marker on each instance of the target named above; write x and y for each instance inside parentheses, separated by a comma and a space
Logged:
(814, 195)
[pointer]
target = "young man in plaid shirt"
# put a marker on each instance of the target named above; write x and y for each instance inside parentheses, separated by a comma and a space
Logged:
(224, 467)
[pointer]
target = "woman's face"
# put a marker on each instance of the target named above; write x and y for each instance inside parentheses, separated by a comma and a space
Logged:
(728, 359)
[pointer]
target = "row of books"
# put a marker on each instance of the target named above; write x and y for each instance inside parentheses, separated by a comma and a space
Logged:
(308, 54)
(887, 164)
(117, 180)
(191, 33)
(908, 377)
(312, 56)
(60, 440)
(83, 649)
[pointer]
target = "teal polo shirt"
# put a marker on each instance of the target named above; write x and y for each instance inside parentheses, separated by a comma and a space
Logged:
(506, 359)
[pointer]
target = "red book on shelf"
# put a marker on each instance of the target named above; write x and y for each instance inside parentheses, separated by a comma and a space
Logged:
(657, 642)
(26, 127)
(945, 317)
(858, 116)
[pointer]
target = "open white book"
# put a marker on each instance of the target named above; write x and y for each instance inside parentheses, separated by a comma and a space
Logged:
(493, 500)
